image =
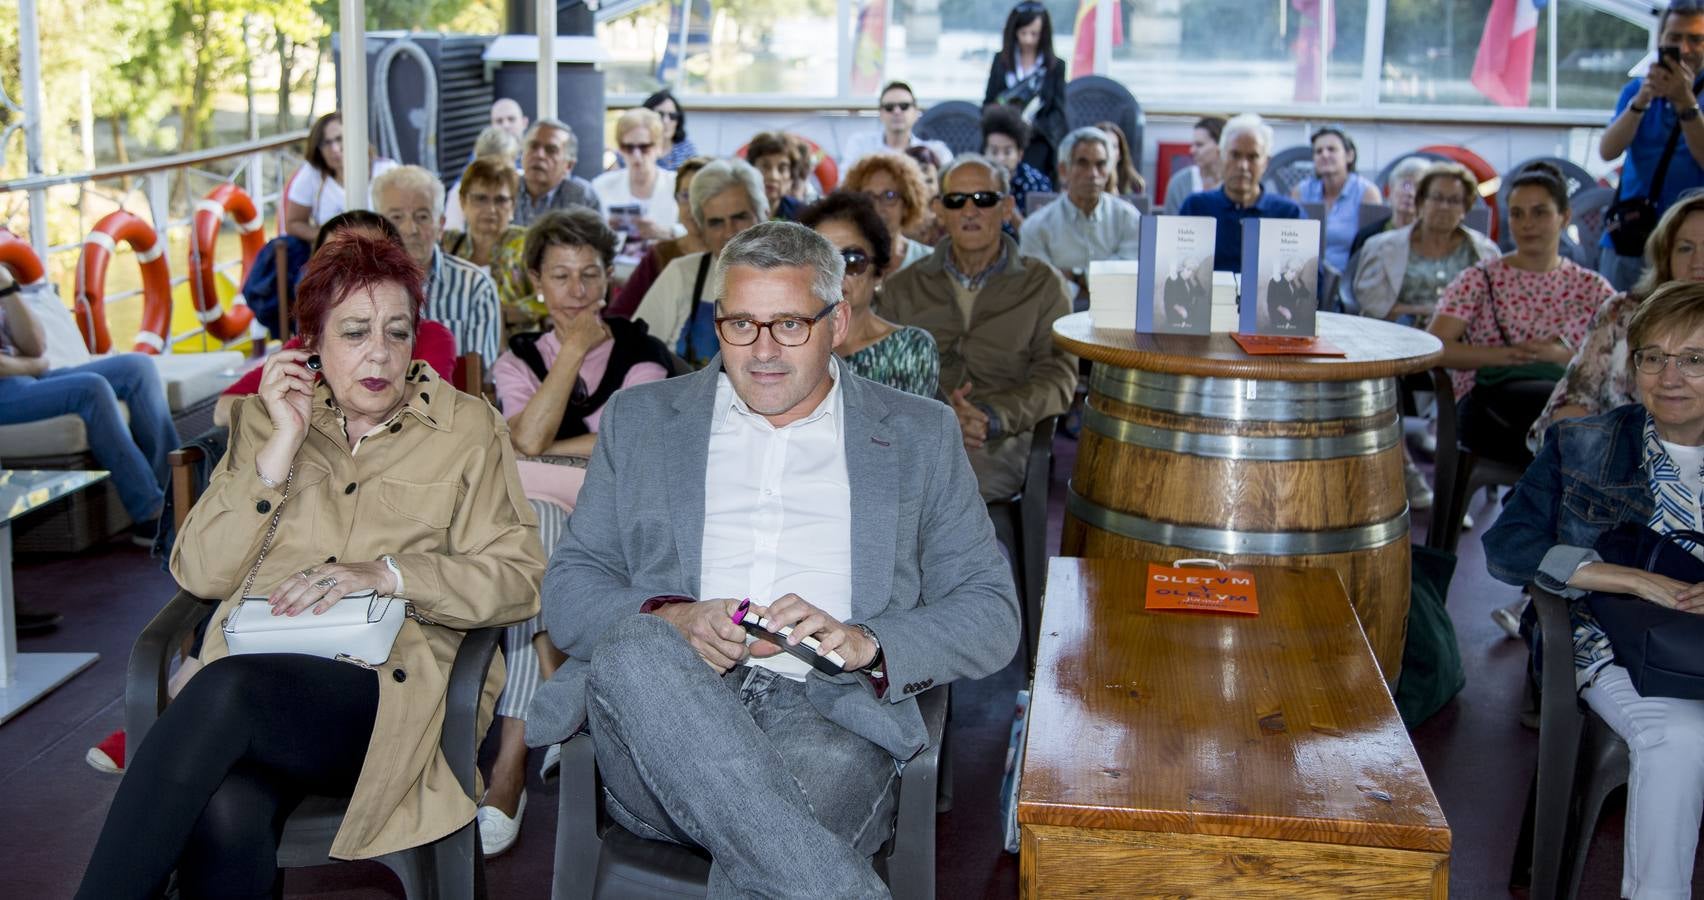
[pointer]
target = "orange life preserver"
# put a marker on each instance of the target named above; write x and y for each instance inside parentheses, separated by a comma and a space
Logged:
(209, 215)
(17, 255)
(98, 248)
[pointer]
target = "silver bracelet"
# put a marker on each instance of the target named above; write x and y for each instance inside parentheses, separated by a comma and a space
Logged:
(263, 479)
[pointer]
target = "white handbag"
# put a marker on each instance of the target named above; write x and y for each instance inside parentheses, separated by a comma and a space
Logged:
(359, 629)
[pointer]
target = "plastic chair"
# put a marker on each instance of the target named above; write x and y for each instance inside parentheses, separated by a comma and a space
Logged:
(1096, 98)
(596, 857)
(1580, 762)
(1389, 167)
(956, 123)
(1020, 523)
(1288, 168)
(451, 867)
(1588, 207)
(1459, 472)
(1575, 178)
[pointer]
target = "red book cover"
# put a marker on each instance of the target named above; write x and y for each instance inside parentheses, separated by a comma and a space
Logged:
(1279, 345)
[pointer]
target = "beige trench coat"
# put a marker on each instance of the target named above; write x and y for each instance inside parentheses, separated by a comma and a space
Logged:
(437, 489)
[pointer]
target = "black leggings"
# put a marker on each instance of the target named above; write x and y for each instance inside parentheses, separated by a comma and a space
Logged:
(208, 792)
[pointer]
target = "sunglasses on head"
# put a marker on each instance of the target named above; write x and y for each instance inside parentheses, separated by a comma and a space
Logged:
(983, 199)
(857, 261)
(901, 106)
(636, 148)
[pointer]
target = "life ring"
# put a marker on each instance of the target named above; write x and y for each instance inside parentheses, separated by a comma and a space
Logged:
(98, 248)
(17, 255)
(203, 291)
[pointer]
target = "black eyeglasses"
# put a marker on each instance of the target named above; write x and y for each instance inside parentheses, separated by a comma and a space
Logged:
(983, 199)
(1653, 362)
(857, 261)
(901, 106)
(788, 331)
(636, 149)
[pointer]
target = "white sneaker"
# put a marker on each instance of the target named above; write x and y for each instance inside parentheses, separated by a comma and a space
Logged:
(1508, 617)
(552, 765)
(498, 832)
(1466, 522)
(1419, 492)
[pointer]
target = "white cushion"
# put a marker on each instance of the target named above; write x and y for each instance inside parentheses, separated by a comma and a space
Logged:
(65, 347)
(190, 378)
(58, 436)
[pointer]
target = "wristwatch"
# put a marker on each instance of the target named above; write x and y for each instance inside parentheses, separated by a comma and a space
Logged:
(874, 666)
(1689, 115)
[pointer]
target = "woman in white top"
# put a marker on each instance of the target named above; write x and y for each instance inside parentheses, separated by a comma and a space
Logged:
(315, 195)
(1205, 174)
(639, 140)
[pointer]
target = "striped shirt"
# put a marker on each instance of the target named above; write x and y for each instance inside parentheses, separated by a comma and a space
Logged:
(464, 299)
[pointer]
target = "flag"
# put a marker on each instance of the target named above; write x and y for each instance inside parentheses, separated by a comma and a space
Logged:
(1318, 28)
(1083, 32)
(1502, 69)
(869, 47)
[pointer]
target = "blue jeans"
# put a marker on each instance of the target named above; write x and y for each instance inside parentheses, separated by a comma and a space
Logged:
(788, 803)
(135, 455)
(1622, 271)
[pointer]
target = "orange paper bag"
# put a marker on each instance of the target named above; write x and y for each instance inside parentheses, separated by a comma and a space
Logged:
(1223, 590)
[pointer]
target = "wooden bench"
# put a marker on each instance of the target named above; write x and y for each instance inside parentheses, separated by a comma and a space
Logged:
(1196, 755)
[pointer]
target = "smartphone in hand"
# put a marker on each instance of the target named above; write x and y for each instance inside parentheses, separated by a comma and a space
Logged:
(807, 649)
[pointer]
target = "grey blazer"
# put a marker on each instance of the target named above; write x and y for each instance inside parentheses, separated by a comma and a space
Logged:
(928, 577)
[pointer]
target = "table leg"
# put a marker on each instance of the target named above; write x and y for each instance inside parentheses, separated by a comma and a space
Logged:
(26, 677)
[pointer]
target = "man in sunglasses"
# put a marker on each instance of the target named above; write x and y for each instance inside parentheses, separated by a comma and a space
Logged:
(1087, 223)
(991, 312)
(777, 481)
(899, 112)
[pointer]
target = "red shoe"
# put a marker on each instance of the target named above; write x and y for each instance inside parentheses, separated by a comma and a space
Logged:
(108, 755)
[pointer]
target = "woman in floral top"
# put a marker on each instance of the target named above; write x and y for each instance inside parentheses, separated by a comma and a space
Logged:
(898, 356)
(493, 242)
(1515, 320)
(1598, 379)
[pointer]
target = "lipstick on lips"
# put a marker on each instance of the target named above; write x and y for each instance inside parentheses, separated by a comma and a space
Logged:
(375, 384)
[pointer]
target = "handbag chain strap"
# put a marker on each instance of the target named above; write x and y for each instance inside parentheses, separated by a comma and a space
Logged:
(271, 530)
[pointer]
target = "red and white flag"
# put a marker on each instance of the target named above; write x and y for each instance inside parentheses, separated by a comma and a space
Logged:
(1502, 69)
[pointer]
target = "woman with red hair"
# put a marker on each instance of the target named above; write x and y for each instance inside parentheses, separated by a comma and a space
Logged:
(353, 469)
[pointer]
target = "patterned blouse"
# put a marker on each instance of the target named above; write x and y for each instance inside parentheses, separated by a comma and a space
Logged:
(678, 154)
(1528, 306)
(1599, 377)
(508, 268)
(906, 360)
(1028, 178)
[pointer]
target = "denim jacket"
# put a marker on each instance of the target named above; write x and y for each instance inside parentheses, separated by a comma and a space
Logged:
(1590, 476)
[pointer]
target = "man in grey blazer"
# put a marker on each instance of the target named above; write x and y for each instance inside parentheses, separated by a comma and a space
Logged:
(838, 506)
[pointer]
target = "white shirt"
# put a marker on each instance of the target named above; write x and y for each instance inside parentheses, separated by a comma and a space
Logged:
(1059, 234)
(778, 510)
(613, 189)
(324, 196)
(865, 143)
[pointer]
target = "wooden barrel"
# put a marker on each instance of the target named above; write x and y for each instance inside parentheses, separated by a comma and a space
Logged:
(1260, 472)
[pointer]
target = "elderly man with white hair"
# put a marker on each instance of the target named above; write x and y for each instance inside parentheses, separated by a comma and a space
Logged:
(1245, 146)
(458, 294)
(1087, 223)
(548, 154)
(726, 198)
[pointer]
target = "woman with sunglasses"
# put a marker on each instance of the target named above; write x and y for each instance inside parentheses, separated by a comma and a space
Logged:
(639, 140)
(896, 186)
(676, 147)
(1029, 77)
(898, 356)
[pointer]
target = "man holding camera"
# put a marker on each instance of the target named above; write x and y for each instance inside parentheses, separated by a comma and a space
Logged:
(1653, 113)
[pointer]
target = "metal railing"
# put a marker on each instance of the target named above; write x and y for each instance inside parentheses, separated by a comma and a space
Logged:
(185, 177)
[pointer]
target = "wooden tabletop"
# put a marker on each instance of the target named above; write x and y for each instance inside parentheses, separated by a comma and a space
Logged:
(1376, 348)
(1275, 726)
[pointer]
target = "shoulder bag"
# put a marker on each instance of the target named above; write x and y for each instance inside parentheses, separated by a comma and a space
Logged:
(359, 629)
(1660, 647)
